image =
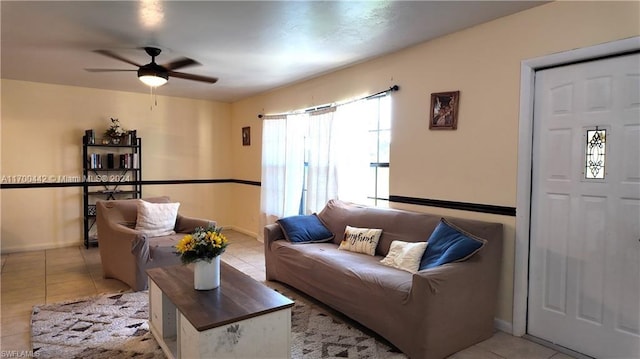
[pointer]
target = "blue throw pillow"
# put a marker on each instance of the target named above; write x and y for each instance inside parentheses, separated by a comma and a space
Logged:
(449, 244)
(304, 229)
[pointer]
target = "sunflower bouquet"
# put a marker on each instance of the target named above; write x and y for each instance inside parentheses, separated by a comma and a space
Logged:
(203, 244)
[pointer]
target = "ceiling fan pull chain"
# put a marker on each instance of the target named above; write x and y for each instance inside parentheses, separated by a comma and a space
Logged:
(154, 98)
(151, 98)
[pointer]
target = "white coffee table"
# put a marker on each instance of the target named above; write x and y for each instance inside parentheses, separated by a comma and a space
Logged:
(241, 319)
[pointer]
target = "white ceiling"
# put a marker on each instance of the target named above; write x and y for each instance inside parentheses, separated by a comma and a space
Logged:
(250, 46)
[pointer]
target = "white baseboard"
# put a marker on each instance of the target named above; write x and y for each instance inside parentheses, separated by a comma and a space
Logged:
(40, 247)
(503, 325)
(242, 230)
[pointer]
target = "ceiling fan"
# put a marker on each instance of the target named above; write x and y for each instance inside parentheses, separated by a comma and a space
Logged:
(155, 75)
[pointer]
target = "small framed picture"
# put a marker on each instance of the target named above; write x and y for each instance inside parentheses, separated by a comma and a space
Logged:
(444, 110)
(246, 136)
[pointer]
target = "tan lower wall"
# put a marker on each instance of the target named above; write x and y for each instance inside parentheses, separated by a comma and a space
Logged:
(245, 209)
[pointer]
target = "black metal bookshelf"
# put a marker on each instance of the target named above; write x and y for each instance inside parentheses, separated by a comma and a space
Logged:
(105, 166)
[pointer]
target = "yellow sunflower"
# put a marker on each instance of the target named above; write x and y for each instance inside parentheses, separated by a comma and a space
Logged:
(185, 244)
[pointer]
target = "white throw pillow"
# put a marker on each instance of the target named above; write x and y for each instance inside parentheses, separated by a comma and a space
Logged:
(405, 255)
(361, 240)
(156, 219)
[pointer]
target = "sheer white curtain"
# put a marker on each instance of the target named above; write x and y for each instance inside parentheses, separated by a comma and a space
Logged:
(282, 167)
(322, 153)
(335, 142)
(352, 163)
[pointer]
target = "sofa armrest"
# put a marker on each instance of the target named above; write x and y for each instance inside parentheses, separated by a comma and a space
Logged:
(446, 279)
(186, 224)
(272, 232)
(453, 296)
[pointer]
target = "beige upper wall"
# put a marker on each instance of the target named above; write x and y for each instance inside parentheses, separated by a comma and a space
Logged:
(482, 62)
(476, 163)
(42, 128)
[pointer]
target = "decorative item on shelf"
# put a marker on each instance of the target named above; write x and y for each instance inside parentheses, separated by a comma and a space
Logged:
(90, 137)
(130, 137)
(203, 247)
(115, 132)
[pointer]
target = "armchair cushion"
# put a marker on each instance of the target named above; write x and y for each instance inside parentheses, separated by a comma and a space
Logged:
(156, 219)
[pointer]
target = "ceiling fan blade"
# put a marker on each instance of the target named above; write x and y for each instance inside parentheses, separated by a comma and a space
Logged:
(107, 70)
(116, 56)
(180, 63)
(182, 75)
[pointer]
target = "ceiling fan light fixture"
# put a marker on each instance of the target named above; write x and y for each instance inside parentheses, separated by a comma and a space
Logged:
(153, 75)
(153, 80)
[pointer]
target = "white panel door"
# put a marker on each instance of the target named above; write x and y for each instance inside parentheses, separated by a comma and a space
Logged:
(584, 275)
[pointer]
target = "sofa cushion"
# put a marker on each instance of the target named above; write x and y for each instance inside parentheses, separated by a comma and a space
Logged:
(449, 243)
(405, 255)
(361, 240)
(350, 276)
(395, 224)
(156, 219)
(304, 229)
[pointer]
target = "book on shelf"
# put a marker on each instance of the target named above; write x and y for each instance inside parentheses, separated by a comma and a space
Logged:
(110, 160)
(129, 160)
(95, 161)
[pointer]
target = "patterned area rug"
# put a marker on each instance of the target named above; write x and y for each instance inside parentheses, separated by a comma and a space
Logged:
(107, 326)
(115, 326)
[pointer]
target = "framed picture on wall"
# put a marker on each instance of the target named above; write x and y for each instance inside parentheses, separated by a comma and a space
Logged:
(246, 136)
(444, 110)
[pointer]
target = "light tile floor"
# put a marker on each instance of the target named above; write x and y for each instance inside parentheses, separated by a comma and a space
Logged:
(49, 276)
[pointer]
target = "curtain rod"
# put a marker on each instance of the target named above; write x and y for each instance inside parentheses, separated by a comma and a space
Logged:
(390, 89)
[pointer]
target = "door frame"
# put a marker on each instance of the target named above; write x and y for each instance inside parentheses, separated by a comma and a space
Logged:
(528, 69)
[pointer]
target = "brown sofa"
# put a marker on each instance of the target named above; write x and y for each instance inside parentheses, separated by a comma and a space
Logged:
(126, 253)
(430, 314)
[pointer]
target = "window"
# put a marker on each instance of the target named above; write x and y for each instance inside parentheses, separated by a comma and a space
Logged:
(379, 142)
(595, 154)
(375, 118)
(334, 152)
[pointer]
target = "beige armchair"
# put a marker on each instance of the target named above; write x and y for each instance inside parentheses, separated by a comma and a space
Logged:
(126, 254)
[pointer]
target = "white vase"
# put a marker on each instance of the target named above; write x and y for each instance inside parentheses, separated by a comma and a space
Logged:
(206, 275)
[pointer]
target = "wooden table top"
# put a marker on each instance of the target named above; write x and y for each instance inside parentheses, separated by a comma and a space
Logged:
(239, 296)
